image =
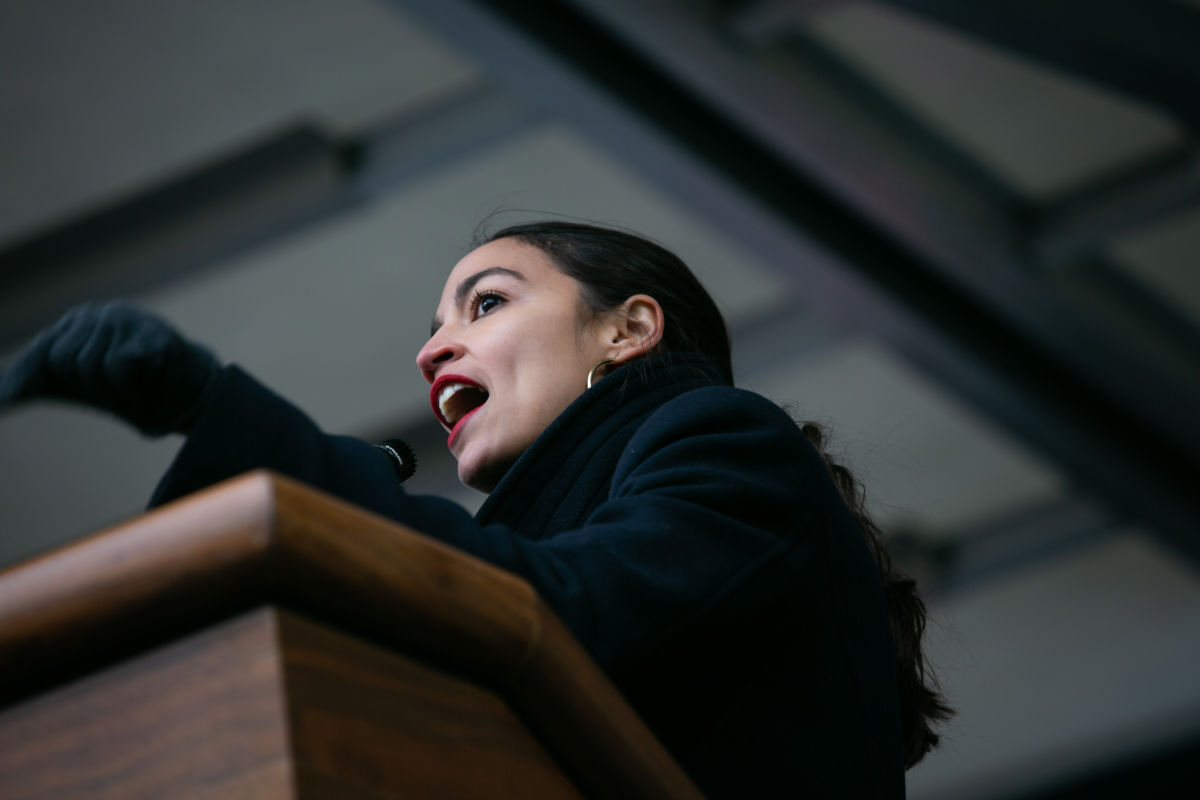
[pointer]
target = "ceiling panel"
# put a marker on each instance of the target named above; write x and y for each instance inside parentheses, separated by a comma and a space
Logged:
(97, 99)
(1070, 665)
(1163, 257)
(1040, 131)
(930, 464)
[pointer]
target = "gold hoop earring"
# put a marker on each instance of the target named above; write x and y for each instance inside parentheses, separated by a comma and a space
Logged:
(598, 365)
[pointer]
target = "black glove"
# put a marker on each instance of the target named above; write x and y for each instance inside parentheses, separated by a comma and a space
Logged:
(117, 358)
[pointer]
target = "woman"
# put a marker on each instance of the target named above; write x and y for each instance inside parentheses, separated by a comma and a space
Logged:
(689, 533)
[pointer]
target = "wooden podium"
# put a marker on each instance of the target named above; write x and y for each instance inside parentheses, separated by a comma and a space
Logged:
(261, 639)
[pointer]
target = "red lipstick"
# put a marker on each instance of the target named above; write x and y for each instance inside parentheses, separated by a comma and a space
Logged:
(474, 392)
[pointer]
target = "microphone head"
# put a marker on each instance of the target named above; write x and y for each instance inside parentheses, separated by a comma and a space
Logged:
(403, 457)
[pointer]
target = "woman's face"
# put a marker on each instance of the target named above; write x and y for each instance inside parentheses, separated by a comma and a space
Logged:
(511, 348)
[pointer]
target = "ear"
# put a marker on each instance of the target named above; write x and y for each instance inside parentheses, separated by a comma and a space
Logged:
(636, 327)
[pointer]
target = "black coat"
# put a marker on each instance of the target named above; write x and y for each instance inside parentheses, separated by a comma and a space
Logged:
(692, 540)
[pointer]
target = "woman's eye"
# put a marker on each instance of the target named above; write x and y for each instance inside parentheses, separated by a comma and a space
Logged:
(485, 302)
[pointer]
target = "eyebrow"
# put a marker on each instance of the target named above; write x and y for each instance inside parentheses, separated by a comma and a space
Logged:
(468, 284)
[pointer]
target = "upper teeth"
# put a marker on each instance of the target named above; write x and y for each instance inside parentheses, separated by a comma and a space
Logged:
(448, 391)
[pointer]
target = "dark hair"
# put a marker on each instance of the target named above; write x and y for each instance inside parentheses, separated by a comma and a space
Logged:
(921, 704)
(612, 265)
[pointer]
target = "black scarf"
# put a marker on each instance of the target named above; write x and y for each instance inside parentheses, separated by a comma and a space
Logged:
(567, 471)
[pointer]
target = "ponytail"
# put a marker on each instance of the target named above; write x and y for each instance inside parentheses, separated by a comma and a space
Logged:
(921, 702)
(613, 265)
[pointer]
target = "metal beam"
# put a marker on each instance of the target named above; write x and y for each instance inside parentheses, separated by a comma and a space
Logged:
(765, 19)
(1076, 227)
(1060, 232)
(439, 133)
(1146, 50)
(850, 187)
(169, 229)
(880, 119)
(652, 83)
(267, 189)
(1169, 336)
(1023, 537)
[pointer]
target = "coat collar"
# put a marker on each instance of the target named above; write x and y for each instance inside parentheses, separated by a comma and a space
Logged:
(566, 472)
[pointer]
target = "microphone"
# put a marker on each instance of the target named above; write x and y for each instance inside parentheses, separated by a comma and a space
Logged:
(402, 456)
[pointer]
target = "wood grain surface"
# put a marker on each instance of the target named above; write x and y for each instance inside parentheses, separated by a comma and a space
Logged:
(200, 718)
(261, 539)
(151, 579)
(366, 720)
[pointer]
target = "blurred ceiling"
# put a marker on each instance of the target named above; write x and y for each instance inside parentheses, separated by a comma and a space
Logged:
(962, 235)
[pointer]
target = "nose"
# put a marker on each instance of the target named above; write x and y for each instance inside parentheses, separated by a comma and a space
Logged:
(437, 351)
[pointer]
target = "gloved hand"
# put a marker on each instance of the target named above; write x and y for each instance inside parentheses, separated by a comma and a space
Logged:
(117, 358)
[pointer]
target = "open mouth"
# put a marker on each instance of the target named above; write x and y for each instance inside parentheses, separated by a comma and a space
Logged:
(454, 398)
